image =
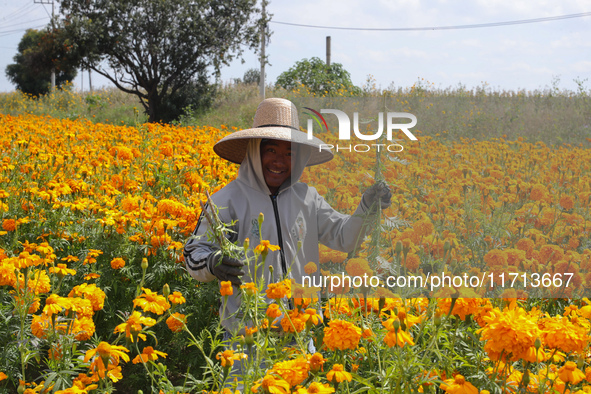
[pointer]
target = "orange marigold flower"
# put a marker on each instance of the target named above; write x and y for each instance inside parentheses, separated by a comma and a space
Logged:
(279, 290)
(358, 267)
(55, 304)
(341, 335)
(264, 247)
(569, 373)
(61, 270)
(9, 224)
(3, 376)
(176, 322)
(249, 288)
(338, 374)
(458, 385)
(316, 388)
(227, 357)
(538, 192)
(293, 372)
(398, 338)
(311, 317)
(91, 292)
(117, 263)
(273, 311)
(310, 268)
(176, 298)
(148, 354)
(293, 322)
(150, 301)
(272, 385)
(83, 328)
(226, 288)
(316, 362)
(567, 202)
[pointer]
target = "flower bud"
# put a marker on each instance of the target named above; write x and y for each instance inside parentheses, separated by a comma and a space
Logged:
(537, 343)
(525, 379)
(260, 219)
(398, 247)
(144, 263)
(166, 290)
(246, 243)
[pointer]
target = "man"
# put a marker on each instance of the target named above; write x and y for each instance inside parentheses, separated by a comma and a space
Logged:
(272, 156)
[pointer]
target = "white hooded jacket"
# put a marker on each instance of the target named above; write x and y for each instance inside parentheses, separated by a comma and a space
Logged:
(296, 214)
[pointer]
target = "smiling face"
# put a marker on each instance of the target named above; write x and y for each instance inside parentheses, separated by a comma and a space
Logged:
(276, 163)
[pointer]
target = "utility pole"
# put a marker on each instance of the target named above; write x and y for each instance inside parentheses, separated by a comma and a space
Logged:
(52, 30)
(263, 60)
(328, 50)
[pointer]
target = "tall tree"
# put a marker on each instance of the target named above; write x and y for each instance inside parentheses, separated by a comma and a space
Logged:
(38, 53)
(152, 48)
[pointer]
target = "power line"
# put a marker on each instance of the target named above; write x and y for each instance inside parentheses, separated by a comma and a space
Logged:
(473, 26)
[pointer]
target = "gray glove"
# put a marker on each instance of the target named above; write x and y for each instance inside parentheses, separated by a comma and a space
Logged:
(225, 268)
(379, 191)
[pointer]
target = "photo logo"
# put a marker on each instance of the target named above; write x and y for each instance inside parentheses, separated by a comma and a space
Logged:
(344, 123)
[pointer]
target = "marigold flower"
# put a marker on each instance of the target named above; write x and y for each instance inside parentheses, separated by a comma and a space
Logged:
(567, 202)
(61, 270)
(9, 224)
(3, 376)
(176, 298)
(117, 263)
(279, 290)
(293, 372)
(91, 292)
(134, 324)
(310, 316)
(271, 385)
(264, 247)
(249, 288)
(569, 373)
(150, 301)
(227, 357)
(273, 311)
(358, 267)
(316, 388)
(176, 322)
(398, 338)
(338, 374)
(310, 268)
(148, 354)
(458, 385)
(226, 288)
(341, 335)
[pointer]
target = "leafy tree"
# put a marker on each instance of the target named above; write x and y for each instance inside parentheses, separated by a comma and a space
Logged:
(318, 77)
(38, 53)
(153, 48)
(251, 76)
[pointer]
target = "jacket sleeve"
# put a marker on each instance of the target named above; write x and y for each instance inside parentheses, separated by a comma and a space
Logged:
(199, 252)
(337, 230)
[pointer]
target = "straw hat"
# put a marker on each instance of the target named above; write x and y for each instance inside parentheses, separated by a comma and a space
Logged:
(276, 119)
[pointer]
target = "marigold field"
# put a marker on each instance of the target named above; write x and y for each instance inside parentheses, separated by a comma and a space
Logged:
(95, 297)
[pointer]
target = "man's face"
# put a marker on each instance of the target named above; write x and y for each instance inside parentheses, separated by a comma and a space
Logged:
(276, 162)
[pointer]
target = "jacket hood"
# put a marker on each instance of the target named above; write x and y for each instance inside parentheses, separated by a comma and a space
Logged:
(251, 169)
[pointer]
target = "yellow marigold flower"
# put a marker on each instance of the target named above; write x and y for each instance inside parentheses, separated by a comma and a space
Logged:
(40, 324)
(227, 357)
(293, 322)
(91, 292)
(310, 268)
(538, 192)
(91, 276)
(61, 270)
(134, 325)
(150, 301)
(226, 288)
(117, 263)
(341, 335)
(176, 322)
(569, 373)
(108, 358)
(458, 385)
(70, 259)
(338, 374)
(148, 354)
(279, 290)
(176, 298)
(83, 328)
(39, 282)
(398, 338)
(316, 388)
(271, 385)
(264, 247)
(55, 304)
(293, 372)
(562, 334)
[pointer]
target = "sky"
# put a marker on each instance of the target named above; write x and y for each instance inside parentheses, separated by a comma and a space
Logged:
(524, 56)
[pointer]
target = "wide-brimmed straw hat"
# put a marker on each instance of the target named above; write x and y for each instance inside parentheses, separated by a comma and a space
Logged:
(276, 119)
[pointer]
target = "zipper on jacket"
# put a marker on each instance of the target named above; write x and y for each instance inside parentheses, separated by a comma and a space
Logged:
(280, 237)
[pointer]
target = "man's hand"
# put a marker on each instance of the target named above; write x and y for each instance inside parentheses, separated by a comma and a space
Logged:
(228, 269)
(379, 191)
